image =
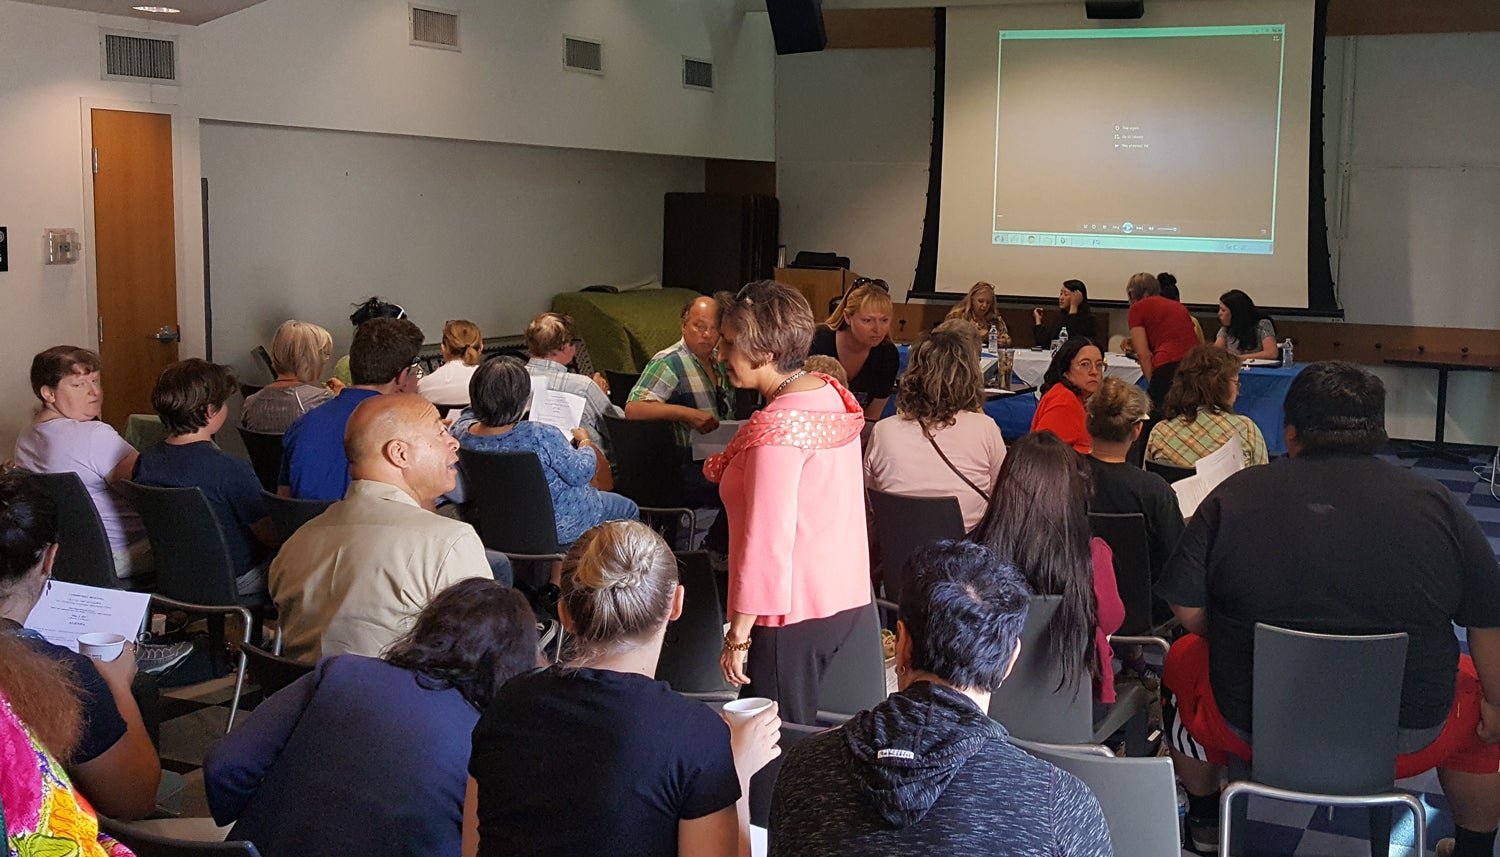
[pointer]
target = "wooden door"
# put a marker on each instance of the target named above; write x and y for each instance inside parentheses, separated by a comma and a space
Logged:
(135, 253)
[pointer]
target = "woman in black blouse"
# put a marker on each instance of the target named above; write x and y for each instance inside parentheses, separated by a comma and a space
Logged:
(858, 334)
(1073, 313)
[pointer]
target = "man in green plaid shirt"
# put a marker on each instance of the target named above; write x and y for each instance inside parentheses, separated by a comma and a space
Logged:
(686, 384)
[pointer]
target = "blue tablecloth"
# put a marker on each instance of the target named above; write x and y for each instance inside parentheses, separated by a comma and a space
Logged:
(1262, 393)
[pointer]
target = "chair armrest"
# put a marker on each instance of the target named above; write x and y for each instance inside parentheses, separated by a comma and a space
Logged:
(226, 609)
(1157, 642)
(1077, 749)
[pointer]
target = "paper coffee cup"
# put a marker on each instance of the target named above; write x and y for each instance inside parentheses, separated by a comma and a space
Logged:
(101, 647)
(744, 709)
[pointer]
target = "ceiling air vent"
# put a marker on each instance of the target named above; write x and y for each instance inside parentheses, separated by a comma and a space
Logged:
(137, 57)
(434, 28)
(697, 74)
(583, 55)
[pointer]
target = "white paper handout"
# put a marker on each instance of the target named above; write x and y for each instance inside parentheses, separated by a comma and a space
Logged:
(556, 408)
(67, 610)
(715, 441)
(1211, 469)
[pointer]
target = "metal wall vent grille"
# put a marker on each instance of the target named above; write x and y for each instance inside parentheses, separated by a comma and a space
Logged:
(698, 74)
(138, 57)
(583, 55)
(434, 28)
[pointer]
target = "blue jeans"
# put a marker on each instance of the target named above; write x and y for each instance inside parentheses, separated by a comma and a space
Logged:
(616, 507)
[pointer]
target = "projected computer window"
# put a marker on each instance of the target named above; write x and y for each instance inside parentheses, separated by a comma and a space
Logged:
(1139, 139)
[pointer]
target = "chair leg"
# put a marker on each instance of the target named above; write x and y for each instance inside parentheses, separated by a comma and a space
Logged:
(1380, 831)
(239, 688)
(1136, 729)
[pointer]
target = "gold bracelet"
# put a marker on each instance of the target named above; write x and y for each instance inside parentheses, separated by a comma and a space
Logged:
(736, 647)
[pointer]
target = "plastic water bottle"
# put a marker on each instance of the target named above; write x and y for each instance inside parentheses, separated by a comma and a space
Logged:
(1182, 808)
(1286, 352)
(1061, 340)
(992, 343)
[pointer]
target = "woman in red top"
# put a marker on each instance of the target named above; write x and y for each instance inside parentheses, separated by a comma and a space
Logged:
(1161, 330)
(1076, 371)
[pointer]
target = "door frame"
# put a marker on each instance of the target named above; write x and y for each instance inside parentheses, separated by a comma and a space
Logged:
(187, 218)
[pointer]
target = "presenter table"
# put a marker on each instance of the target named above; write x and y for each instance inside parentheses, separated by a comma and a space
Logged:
(1444, 362)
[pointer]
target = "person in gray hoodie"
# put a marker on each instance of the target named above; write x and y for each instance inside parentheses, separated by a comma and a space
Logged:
(927, 771)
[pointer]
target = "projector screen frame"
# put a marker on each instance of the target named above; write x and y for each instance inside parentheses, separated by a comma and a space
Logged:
(1322, 298)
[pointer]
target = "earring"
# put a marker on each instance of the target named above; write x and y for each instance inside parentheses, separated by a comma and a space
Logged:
(900, 670)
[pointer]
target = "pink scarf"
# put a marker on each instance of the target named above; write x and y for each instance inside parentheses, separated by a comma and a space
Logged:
(793, 427)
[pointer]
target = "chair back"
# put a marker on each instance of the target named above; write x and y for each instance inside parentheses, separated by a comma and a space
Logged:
(1029, 703)
(763, 782)
(83, 552)
(690, 653)
(855, 678)
(188, 552)
(265, 453)
(146, 844)
(512, 504)
(1353, 686)
(1126, 537)
(620, 385)
(272, 672)
(290, 513)
(1138, 796)
(647, 462)
(903, 524)
(1169, 472)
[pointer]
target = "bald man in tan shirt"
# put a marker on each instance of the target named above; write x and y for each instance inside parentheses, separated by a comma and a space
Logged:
(352, 579)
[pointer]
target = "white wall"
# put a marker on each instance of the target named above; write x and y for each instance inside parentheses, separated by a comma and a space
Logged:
(348, 65)
(1423, 194)
(49, 71)
(304, 222)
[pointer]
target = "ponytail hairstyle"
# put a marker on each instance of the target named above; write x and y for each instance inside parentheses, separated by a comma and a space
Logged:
(1244, 320)
(1115, 409)
(618, 583)
(461, 339)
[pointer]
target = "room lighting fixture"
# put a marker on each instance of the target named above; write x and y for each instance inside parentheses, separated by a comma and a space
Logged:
(160, 10)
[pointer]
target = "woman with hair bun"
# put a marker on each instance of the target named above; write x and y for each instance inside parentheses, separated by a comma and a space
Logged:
(463, 348)
(595, 756)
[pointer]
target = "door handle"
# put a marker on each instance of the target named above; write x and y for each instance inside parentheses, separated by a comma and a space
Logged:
(168, 333)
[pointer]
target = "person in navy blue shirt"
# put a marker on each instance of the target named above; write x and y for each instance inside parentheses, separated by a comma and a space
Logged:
(190, 398)
(383, 359)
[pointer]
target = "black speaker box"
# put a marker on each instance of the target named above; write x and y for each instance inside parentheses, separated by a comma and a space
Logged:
(1115, 8)
(797, 25)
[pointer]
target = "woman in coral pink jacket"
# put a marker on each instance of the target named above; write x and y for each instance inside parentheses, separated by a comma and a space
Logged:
(793, 490)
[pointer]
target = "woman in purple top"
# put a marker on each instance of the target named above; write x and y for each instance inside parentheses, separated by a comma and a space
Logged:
(66, 436)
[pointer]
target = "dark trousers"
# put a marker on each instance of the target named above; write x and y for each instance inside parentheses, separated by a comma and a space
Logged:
(787, 663)
(1161, 382)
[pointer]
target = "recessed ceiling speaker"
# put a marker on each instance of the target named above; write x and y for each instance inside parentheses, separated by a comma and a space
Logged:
(797, 25)
(1115, 9)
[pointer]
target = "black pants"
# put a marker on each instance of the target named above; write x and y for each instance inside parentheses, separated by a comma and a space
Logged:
(1161, 382)
(787, 663)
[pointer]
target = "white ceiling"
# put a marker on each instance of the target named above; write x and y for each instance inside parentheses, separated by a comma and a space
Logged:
(193, 11)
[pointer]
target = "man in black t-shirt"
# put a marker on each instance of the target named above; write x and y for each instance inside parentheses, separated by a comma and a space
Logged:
(1337, 541)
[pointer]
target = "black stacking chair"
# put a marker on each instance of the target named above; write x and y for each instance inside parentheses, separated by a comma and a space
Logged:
(1169, 472)
(511, 505)
(272, 672)
(763, 782)
(290, 513)
(903, 524)
(690, 653)
(855, 679)
(83, 552)
(147, 844)
(1126, 537)
(265, 456)
(647, 469)
(620, 385)
(193, 570)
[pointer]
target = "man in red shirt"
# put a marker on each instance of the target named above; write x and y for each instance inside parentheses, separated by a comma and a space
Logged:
(1161, 331)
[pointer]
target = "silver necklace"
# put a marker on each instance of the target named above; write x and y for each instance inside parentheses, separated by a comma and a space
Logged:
(789, 379)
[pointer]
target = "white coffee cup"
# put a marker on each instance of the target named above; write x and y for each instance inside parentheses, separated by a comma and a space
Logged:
(744, 709)
(100, 646)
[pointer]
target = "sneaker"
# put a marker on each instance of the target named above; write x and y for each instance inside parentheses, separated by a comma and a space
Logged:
(1203, 834)
(157, 659)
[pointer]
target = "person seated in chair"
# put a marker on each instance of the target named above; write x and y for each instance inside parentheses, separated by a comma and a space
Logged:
(686, 383)
(352, 579)
(498, 394)
(190, 397)
(1198, 415)
(383, 359)
(114, 762)
(1334, 540)
(552, 342)
(927, 771)
(463, 349)
(299, 353)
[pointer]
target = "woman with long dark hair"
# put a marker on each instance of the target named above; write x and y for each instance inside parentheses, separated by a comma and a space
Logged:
(370, 755)
(1074, 375)
(1073, 314)
(1245, 333)
(1038, 521)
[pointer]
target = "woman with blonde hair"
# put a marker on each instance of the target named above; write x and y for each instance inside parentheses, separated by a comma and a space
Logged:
(941, 443)
(858, 334)
(595, 756)
(979, 309)
(300, 351)
(1117, 414)
(1198, 416)
(463, 348)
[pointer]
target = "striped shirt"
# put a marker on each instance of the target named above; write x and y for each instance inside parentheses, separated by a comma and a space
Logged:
(675, 377)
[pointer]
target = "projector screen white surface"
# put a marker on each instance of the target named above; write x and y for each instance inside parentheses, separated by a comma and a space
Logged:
(1096, 149)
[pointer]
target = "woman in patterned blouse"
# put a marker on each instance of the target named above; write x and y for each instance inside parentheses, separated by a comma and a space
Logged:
(1198, 414)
